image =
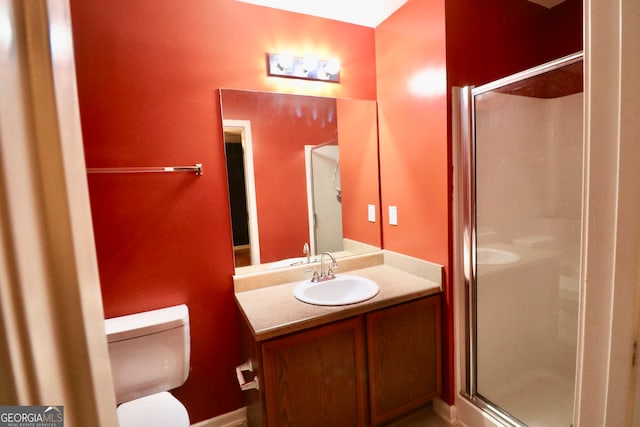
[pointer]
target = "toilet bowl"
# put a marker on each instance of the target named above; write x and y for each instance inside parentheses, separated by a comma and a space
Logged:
(156, 410)
(149, 354)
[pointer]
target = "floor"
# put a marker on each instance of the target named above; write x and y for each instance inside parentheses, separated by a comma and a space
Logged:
(524, 396)
(550, 392)
(423, 417)
(242, 257)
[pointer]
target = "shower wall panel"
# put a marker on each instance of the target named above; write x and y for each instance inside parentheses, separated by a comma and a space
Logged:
(536, 167)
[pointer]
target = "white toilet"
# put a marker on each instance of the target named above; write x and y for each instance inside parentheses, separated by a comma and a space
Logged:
(149, 355)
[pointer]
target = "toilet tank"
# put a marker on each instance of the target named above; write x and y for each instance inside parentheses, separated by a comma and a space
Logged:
(149, 351)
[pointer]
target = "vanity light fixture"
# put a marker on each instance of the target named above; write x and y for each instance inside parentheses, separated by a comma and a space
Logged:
(308, 67)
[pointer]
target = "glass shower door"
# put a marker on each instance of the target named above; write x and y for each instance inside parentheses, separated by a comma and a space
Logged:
(326, 202)
(527, 157)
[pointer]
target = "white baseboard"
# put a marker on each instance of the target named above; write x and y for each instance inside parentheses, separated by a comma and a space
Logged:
(444, 410)
(237, 418)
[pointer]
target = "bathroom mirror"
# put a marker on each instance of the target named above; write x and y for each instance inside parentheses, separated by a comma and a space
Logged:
(303, 177)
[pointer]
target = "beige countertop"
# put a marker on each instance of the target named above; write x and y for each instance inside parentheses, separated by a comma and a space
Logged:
(273, 311)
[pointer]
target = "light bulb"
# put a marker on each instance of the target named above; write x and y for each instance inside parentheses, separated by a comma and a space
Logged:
(332, 67)
(310, 62)
(285, 60)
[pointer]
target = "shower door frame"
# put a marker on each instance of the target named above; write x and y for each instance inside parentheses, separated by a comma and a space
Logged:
(312, 207)
(467, 234)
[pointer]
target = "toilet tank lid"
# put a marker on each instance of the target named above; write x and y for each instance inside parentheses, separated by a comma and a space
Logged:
(145, 323)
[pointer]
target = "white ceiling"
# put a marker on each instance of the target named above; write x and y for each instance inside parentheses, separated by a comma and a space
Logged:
(369, 13)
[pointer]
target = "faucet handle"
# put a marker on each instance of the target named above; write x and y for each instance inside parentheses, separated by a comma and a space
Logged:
(333, 265)
(315, 277)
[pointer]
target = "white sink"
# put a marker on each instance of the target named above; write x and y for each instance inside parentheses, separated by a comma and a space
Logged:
(289, 262)
(492, 256)
(344, 289)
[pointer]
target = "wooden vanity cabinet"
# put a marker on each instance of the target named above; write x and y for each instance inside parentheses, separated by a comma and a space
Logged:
(317, 377)
(404, 362)
(365, 370)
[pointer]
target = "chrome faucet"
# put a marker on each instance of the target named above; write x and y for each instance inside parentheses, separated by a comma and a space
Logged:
(324, 274)
(307, 252)
(328, 274)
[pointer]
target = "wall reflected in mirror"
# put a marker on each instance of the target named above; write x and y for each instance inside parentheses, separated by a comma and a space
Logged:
(302, 171)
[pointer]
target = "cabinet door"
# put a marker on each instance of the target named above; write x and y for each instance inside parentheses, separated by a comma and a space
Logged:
(317, 377)
(404, 357)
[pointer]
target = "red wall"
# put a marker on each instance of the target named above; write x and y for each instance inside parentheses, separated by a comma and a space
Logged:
(413, 129)
(281, 125)
(148, 72)
(493, 39)
(412, 122)
(359, 169)
(565, 34)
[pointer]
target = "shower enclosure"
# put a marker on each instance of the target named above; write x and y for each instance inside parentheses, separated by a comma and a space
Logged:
(324, 197)
(521, 157)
